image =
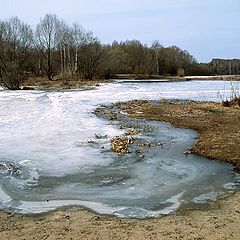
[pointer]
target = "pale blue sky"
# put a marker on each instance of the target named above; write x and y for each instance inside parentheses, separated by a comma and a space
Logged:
(206, 28)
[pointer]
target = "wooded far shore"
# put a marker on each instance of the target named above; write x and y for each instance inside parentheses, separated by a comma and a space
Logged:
(57, 50)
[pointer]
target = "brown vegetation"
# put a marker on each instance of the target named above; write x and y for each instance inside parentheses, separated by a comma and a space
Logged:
(120, 144)
(225, 66)
(232, 102)
(44, 83)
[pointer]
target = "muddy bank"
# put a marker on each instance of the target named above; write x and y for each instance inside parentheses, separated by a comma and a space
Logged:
(219, 139)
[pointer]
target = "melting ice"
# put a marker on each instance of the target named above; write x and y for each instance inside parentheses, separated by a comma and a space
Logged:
(50, 155)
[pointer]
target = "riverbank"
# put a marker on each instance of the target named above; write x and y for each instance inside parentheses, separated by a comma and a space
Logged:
(175, 78)
(57, 83)
(219, 139)
(221, 222)
(44, 83)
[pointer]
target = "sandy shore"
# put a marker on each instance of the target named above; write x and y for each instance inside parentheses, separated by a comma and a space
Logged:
(221, 222)
(219, 138)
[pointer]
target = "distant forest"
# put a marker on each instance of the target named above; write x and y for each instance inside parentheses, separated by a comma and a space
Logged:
(69, 52)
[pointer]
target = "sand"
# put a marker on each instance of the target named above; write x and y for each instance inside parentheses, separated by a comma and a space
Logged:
(221, 222)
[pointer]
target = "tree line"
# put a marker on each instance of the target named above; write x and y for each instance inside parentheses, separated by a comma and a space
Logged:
(225, 66)
(55, 48)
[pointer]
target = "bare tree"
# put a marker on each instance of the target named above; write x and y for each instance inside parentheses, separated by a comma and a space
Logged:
(90, 55)
(80, 38)
(47, 39)
(72, 52)
(157, 48)
(65, 45)
(15, 43)
(72, 39)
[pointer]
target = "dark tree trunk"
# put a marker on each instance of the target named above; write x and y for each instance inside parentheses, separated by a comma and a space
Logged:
(49, 71)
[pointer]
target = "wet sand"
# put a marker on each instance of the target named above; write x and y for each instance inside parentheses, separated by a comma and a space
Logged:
(219, 139)
(221, 222)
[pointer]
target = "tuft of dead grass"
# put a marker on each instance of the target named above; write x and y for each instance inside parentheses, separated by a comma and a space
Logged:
(120, 144)
(234, 102)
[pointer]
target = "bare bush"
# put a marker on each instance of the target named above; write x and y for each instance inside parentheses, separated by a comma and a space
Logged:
(15, 41)
(234, 98)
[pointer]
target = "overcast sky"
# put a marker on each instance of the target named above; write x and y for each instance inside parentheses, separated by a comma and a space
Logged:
(206, 28)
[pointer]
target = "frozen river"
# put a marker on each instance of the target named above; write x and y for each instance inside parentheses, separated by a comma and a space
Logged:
(50, 155)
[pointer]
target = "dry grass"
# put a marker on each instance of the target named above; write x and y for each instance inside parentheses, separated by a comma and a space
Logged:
(44, 83)
(235, 101)
(120, 144)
